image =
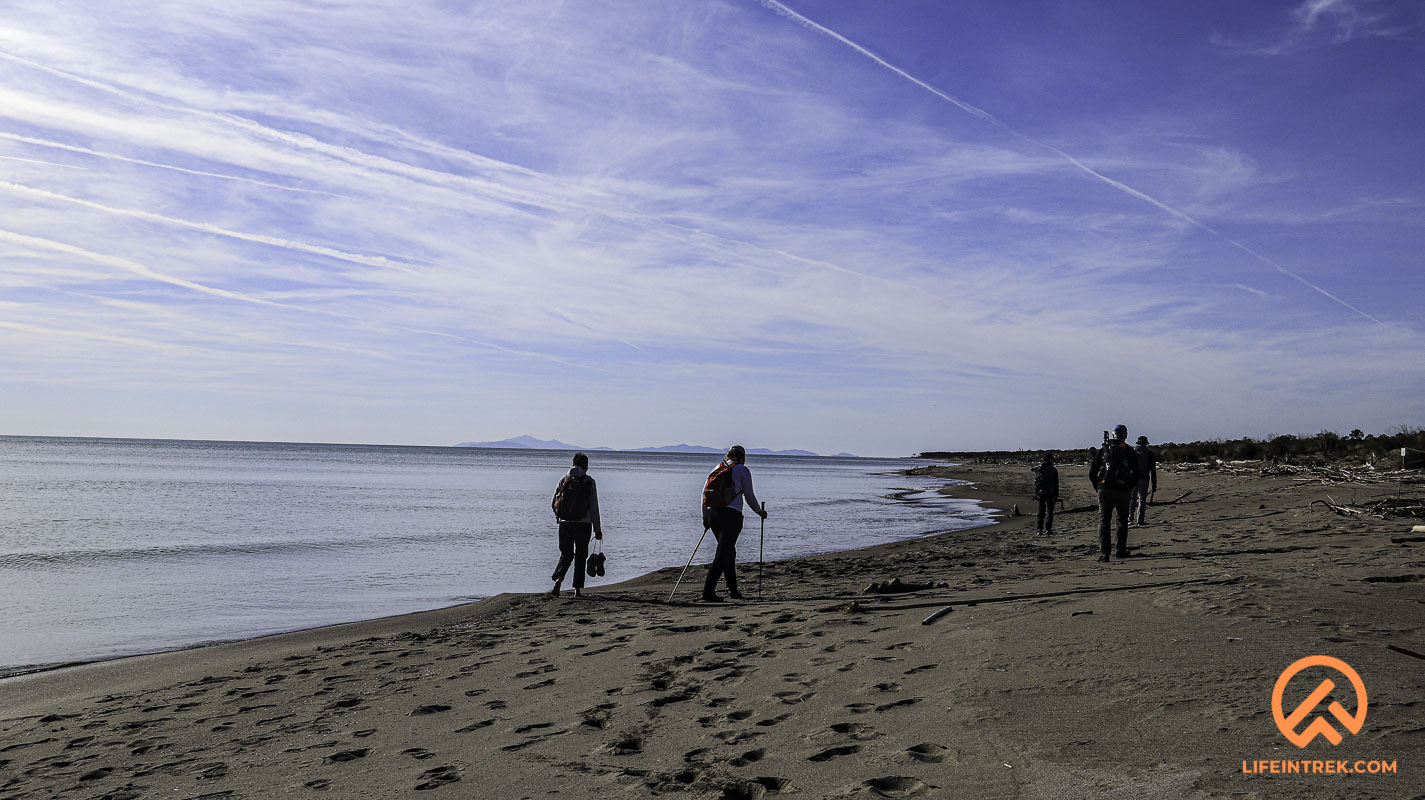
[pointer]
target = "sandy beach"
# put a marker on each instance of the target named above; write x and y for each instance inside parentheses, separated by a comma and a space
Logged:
(1052, 676)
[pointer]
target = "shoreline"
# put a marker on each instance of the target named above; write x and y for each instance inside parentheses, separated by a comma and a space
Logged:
(1050, 675)
(635, 582)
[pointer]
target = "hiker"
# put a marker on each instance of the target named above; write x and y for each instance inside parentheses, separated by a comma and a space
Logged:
(1114, 474)
(1046, 491)
(1147, 480)
(723, 493)
(576, 508)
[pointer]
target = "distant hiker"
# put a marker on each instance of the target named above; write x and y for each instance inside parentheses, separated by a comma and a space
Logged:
(1046, 491)
(1114, 474)
(723, 492)
(576, 508)
(1147, 480)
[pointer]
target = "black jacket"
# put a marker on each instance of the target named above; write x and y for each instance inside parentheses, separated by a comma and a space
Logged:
(1046, 482)
(1115, 466)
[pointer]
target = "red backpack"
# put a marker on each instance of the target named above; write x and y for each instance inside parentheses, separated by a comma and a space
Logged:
(719, 491)
(571, 498)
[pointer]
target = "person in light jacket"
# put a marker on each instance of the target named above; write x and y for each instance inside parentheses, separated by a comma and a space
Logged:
(726, 523)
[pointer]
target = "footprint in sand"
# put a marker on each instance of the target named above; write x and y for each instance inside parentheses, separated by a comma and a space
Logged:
(774, 784)
(927, 752)
(434, 708)
(438, 777)
(628, 745)
(348, 755)
(910, 701)
(769, 722)
(792, 698)
(855, 730)
(835, 752)
(418, 753)
(749, 757)
(923, 668)
(898, 787)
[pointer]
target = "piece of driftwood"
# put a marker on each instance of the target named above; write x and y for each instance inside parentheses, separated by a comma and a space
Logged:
(1380, 509)
(896, 586)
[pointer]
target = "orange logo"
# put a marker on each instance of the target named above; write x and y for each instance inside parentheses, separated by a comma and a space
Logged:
(1287, 724)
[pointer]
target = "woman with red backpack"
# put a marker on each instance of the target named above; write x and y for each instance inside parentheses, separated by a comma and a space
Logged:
(726, 486)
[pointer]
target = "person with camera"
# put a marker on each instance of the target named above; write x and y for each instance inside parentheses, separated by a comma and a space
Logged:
(576, 509)
(1114, 475)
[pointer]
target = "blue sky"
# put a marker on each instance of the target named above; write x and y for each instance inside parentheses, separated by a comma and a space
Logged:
(835, 225)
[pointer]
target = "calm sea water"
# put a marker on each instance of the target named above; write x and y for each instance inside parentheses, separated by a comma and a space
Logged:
(112, 547)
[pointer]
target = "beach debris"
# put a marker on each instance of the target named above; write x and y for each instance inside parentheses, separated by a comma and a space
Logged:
(937, 615)
(1380, 509)
(896, 585)
(1418, 529)
(1403, 651)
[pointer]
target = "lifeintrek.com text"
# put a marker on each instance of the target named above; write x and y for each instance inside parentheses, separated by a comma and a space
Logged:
(1295, 767)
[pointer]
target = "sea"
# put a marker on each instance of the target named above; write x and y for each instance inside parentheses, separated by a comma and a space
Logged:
(116, 547)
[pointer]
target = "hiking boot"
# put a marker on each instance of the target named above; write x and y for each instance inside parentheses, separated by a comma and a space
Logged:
(1122, 554)
(578, 592)
(1103, 559)
(711, 598)
(735, 595)
(1039, 532)
(555, 591)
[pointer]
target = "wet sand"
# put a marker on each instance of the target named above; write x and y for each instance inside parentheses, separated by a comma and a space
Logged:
(1052, 676)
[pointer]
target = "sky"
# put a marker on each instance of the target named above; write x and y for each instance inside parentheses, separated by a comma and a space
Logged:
(837, 225)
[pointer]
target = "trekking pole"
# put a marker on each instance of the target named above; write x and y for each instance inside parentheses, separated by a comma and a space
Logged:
(689, 564)
(761, 545)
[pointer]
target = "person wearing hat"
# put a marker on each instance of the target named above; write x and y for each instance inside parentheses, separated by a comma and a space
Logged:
(725, 519)
(1046, 491)
(1147, 474)
(1114, 474)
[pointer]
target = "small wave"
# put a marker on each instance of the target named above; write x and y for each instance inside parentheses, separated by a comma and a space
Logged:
(62, 559)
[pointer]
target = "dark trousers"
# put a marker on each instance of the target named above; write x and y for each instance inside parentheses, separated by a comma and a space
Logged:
(1111, 502)
(573, 547)
(726, 525)
(1046, 514)
(1140, 501)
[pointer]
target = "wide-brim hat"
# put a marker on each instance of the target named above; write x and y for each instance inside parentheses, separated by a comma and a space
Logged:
(1142, 440)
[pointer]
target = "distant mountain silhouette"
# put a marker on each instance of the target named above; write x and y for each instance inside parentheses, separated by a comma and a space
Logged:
(531, 443)
(526, 443)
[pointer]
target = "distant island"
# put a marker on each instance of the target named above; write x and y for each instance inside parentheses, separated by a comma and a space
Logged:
(531, 443)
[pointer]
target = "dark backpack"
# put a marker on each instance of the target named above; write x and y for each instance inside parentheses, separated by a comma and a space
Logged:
(1046, 481)
(719, 491)
(571, 497)
(1119, 464)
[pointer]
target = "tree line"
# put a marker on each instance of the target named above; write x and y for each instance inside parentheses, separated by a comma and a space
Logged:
(1324, 447)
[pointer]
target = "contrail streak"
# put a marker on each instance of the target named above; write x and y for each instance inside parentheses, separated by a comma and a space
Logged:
(37, 161)
(134, 267)
(114, 156)
(993, 120)
(288, 244)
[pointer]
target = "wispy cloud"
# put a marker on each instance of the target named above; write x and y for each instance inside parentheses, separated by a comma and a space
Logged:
(1319, 23)
(433, 218)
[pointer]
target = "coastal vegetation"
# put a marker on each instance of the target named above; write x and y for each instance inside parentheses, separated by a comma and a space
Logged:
(1325, 447)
